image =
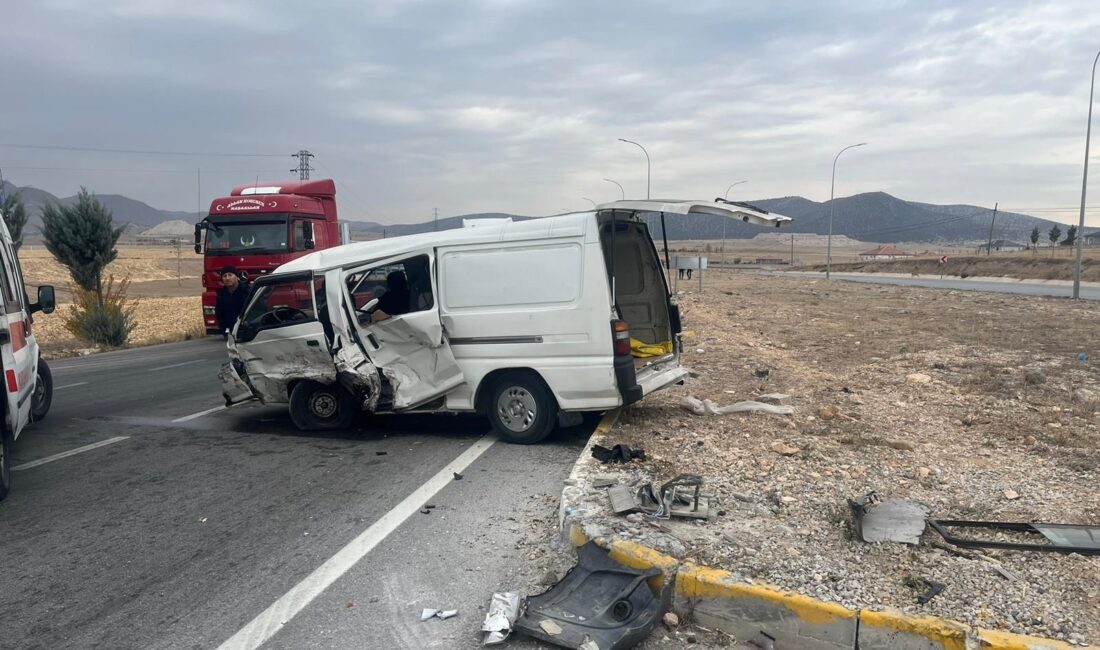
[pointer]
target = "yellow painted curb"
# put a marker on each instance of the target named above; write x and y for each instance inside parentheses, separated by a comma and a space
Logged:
(994, 640)
(947, 634)
(693, 581)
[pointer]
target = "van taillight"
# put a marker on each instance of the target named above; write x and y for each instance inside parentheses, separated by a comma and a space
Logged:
(620, 337)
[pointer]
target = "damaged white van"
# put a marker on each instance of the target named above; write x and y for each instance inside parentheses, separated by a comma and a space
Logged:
(524, 322)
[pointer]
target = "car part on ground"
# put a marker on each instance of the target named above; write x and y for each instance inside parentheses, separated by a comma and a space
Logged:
(891, 520)
(620, 453)
(708, 407)
(599, 603)
(669, 501)
(1063, 538)
(502, 614)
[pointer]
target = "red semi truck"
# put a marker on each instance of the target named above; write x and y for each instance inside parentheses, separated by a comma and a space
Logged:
(261, 226)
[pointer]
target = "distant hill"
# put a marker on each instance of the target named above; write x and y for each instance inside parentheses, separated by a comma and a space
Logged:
(871, 217)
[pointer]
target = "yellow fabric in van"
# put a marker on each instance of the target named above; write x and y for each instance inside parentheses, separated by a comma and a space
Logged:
(641, 349)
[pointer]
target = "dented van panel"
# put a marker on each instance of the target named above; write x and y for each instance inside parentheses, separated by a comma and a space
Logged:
(414, 359)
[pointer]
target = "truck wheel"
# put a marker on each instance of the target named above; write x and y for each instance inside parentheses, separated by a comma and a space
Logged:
(43, 392)
(5, 463)
(521, 408)
(318, 407)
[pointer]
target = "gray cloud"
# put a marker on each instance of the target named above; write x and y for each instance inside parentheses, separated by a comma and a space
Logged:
(516, 105)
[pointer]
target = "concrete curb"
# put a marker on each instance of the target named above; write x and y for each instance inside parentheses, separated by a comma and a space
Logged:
(715, 599)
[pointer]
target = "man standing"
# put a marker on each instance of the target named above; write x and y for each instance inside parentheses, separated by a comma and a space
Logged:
(230, 300)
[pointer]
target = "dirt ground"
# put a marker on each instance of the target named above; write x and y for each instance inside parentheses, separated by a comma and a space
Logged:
(976, 405)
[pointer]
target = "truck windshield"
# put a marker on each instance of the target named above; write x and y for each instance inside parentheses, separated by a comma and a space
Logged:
(247, 237)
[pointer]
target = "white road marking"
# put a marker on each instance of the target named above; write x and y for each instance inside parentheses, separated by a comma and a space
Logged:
(71, 452)
(188, 418)
(176, 365)
(79, 383)
(272, 619)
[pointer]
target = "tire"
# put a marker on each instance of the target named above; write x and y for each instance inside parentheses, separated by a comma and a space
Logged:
(5, 463)
(521, 408)
(43, 393)
(321, 407)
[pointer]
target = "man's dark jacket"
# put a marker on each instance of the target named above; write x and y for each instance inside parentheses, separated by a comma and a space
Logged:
(228, 306)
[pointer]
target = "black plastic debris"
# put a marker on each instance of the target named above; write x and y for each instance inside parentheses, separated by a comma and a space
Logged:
(890, 520)
(599, 603)
(928, 589)
(1059, 538)
(620, 453)
(679, 497)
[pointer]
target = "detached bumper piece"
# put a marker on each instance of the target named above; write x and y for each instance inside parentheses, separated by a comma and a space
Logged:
(234, 389)
(1059, 538)
(599, 605)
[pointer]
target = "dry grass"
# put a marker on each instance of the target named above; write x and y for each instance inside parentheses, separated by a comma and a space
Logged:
(160, 320)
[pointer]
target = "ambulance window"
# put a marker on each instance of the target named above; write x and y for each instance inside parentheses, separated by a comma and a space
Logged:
(11, 291)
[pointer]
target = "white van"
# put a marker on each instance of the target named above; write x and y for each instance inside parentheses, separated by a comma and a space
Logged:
(27, 380)
(522, 321)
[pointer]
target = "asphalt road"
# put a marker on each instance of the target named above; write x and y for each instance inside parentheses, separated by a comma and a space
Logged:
(1022, 287)
(187, 531)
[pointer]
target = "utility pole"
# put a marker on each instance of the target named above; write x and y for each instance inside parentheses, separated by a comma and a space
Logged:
(303, 167)
(792, 250)
(435, 219)
(989, 245)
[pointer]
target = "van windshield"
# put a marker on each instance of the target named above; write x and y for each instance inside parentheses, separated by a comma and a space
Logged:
(252, 237)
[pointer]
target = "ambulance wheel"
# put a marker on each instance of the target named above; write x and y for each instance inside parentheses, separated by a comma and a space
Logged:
(521, 408)
(5, 463)
(319, 407)
(43, 392)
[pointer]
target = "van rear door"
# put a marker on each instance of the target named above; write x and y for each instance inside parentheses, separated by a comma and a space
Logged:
(639, 284)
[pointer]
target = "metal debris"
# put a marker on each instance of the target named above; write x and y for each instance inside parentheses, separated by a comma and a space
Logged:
(892, 520)
(503, 610)
(1063, 538)
(708, 407)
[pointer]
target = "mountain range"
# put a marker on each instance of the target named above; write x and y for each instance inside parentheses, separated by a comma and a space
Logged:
(871, 217)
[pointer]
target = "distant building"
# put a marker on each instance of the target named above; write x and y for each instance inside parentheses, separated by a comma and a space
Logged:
(1091, 238)
(771, 260)
(885, 252)
(1003, 246)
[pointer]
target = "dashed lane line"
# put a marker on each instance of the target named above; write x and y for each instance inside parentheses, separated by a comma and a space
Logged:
(193, 416)
(71, 452)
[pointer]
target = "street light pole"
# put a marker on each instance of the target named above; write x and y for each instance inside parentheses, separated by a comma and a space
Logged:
(832, 209)
(647, 165)
(590, 201)
(1084, 186)
(731, 187)
(724, 221)
(621, 190)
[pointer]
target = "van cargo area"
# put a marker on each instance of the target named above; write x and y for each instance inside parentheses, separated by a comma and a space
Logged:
(638, 281)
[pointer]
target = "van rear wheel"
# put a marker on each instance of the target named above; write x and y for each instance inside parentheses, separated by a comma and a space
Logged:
(5, 462)
(521, 408)
(318, 407)
(43, 392)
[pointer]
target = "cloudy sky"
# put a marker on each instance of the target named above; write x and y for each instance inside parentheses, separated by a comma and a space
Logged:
(516, 105)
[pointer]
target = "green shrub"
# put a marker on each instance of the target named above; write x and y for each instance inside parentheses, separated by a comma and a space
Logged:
(107, 323)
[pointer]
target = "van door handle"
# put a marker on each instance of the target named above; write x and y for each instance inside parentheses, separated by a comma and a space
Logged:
(313, 344)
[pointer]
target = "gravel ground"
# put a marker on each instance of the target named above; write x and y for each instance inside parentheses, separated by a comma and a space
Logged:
(975, 405)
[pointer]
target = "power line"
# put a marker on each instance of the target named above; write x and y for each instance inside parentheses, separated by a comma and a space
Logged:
(150, 152)
(144, 171)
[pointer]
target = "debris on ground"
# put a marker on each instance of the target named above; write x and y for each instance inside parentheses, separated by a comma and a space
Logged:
(598, 604)
(928, 589)
(618, 454)
(1019, 536)
(502, 614)
(708, 407)
(892, 520)
(443, 614)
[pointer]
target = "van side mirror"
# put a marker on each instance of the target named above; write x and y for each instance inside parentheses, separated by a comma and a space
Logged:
(307, 235)
(47, 301)
(198, 238)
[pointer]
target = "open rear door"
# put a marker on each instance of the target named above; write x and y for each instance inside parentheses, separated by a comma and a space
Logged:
(719, 207)
(408, 348)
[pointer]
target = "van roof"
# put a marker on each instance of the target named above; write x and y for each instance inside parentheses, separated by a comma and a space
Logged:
(569, 225)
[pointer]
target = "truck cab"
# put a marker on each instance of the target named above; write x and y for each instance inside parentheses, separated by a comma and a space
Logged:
(260, 226)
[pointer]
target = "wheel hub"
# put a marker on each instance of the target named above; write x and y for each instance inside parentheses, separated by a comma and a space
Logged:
(323, 405)
(516, 409)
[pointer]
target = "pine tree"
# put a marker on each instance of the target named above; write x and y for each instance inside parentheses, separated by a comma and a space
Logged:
(1071, 236)
(82, 237)
(1053, 235)
(1034, 239)
(15, 216)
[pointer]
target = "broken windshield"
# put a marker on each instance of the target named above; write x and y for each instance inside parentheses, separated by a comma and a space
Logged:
(252, 237)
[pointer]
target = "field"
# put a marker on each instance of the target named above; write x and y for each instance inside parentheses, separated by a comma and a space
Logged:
(165, 288)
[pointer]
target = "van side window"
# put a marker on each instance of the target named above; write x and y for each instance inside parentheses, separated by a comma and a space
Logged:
(401, 287)
(280, 304)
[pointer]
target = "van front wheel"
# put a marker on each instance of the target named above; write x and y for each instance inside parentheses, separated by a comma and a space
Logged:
(43, 392)
(317, 407)
(521, 408)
